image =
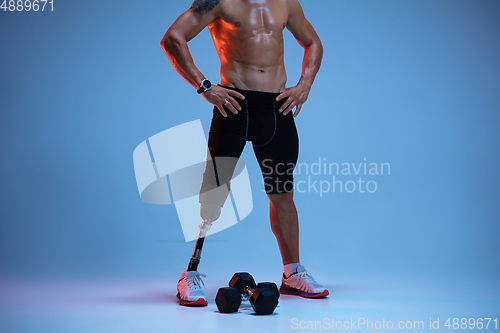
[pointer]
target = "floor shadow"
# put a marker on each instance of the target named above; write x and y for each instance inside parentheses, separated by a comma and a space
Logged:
(152, 298)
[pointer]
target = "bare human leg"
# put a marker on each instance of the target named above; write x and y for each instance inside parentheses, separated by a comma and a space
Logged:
(285, 225)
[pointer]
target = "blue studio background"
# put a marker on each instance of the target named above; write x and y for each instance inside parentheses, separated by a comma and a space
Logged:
(410, 83)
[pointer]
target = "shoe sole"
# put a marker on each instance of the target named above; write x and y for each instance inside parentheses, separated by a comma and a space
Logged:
(197, 303)
(297, 292)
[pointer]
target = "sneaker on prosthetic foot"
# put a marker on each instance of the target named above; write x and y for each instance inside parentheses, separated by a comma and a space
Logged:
(301, 283)
(189, 290)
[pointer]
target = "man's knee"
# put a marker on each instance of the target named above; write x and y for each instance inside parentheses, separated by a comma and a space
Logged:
(281, 199)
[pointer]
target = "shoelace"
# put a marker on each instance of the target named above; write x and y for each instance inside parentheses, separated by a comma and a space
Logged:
(306, 279)
(194, 283)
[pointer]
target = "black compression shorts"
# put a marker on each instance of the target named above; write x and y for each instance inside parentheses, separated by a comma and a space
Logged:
(273, 135)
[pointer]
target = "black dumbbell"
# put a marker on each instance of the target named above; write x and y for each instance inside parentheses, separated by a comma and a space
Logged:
(270, 285)
(263, 297)
(228, 300)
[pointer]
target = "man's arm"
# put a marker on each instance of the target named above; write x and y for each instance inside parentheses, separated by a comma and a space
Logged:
(174, 43)
(305, 35)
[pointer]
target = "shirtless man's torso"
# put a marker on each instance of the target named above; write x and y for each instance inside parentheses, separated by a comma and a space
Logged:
(248, 37)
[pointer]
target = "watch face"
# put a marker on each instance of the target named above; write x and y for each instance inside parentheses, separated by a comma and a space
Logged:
(207, 84)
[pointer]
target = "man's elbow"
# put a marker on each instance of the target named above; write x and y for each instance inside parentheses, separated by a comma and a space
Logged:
(170, 39)
(315, 46)
(319, 47)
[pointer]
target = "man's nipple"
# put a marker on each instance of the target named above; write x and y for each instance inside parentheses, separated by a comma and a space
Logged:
(237, 24)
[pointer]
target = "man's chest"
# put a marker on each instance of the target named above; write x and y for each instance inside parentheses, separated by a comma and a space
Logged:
(255, 15)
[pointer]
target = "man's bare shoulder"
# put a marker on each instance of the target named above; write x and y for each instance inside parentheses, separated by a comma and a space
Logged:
(203, 7)
(291, 2)
(293, 7)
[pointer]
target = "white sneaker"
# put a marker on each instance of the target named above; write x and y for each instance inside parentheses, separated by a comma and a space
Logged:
(189, 290)
(302, 284)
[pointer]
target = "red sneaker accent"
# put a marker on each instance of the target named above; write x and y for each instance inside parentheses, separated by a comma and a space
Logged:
(198, 302)
(322, 294)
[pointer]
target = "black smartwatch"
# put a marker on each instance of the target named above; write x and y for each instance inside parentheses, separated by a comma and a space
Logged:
(204, 86)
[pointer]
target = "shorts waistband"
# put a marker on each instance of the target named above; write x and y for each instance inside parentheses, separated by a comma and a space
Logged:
(257, 95)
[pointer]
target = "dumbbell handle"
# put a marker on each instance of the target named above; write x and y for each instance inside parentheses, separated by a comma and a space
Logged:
(249, 290)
